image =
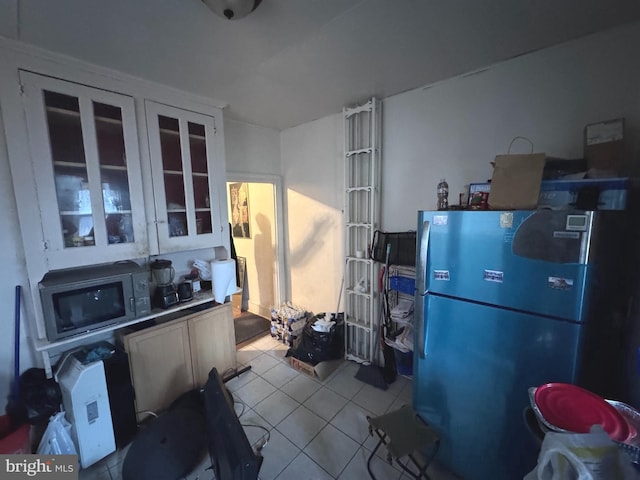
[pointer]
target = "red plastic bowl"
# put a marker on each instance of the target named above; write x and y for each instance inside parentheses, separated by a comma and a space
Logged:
(575, 409)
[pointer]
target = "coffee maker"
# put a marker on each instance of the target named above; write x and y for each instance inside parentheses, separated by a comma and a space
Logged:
(162, 274)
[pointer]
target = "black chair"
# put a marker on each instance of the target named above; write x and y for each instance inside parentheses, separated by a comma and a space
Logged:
(171, 445)
(404, 434)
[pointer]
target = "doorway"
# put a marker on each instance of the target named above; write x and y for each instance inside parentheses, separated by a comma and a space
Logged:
(255, 213)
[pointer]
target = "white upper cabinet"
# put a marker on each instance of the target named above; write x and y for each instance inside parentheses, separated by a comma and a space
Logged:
(187, 175)
(116, 176)
(86, 164)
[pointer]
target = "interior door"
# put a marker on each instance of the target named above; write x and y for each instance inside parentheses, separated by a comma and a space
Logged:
(262, 248)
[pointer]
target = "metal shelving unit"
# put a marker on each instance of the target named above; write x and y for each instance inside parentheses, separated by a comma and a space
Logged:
(362, 216)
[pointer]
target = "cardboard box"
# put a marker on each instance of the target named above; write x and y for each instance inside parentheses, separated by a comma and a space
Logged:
(321, 371)
(515, 183)
(236, 302)
(604, 147)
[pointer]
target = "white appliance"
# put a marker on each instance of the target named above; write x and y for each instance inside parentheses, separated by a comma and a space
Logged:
(86, 403)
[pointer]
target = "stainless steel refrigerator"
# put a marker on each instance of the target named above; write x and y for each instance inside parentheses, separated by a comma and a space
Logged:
(506, 301)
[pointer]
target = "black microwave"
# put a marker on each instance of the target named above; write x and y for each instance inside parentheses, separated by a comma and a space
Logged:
(84, 299)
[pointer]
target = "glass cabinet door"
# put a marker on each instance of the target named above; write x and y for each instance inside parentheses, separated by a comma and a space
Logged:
(182, 155)
(85, 165)
(200, 178)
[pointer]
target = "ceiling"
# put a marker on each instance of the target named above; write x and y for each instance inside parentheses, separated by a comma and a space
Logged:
(293, 61)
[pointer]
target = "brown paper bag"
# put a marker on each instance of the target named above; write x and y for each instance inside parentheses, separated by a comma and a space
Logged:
(515, 183)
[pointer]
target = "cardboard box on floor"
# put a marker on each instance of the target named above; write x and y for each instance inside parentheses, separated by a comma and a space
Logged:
(515, 183)
(322, 370)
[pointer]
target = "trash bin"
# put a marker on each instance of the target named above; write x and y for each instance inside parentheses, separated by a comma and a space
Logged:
(404, 362)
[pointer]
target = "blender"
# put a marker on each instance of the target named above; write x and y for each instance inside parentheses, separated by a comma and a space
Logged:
(162, 274)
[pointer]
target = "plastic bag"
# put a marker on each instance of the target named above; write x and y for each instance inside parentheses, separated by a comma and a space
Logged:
(581, 456)
(314, 347)
(57, 437)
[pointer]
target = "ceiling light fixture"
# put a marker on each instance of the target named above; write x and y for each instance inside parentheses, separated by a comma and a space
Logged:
(232, 9)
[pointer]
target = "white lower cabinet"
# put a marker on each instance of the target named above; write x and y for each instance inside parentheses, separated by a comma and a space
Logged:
(169, 359)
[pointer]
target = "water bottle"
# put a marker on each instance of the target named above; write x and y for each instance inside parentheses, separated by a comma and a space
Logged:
(443, 195)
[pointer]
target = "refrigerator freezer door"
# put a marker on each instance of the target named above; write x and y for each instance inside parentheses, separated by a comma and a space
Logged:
(472, 384)
(494, 258)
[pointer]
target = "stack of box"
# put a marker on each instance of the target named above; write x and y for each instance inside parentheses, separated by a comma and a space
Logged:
(287, 321)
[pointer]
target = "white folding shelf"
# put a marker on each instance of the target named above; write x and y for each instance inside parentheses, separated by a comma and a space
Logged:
(362, 217)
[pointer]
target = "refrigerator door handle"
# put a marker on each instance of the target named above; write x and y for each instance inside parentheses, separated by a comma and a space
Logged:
(421, 288)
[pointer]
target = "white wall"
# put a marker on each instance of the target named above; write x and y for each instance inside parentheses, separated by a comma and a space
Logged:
(455, 128)
(9, 19)
(251, 149)
(13, 273)
(313, 173)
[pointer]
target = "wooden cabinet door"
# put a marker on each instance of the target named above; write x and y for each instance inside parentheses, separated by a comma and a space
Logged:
(213, 342)
(160, 363)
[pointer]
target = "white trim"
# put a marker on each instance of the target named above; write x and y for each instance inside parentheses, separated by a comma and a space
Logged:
(280, 287)
(28, 57)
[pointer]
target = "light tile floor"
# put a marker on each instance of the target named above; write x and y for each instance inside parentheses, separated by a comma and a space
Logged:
(317, 429)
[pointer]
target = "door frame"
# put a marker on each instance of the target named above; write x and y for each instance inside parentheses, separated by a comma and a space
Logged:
(280, 287)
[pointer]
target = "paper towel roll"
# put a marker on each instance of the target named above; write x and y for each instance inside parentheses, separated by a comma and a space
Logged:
(223, 277)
